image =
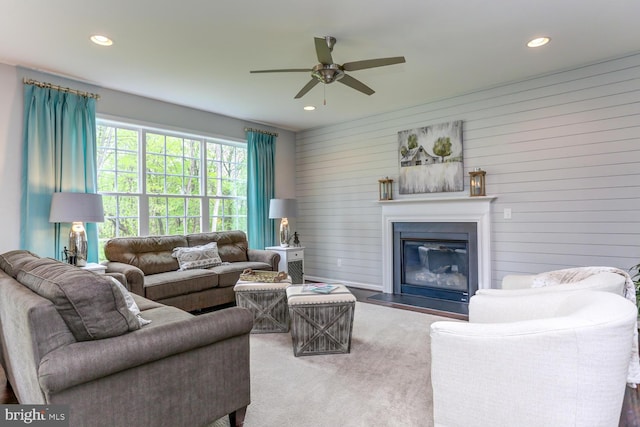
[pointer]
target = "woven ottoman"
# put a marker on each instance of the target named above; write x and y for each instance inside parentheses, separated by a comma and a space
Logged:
(320, 323)
(268, 304)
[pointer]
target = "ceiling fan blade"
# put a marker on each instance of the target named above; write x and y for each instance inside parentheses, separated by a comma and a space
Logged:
(307, 88)
(356, 84)
(286, 70)
(372, 63)
(322, 51)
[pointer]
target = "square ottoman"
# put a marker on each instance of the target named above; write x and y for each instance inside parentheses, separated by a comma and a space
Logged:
(320, 323)
(268, 304)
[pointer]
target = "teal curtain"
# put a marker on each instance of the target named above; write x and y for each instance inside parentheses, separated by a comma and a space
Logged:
(59, 154)
(261, 150)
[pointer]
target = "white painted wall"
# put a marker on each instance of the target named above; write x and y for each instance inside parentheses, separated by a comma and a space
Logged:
(562, 151)
(10, 157)
(115, 105)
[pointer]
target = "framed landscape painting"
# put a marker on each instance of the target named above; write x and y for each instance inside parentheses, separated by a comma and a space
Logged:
(431, 159)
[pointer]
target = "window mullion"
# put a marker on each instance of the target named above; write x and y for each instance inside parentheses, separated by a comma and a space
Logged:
(204, 187)
(144, 197)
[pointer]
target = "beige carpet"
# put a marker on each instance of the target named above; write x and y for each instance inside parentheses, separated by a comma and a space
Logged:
(384, 381)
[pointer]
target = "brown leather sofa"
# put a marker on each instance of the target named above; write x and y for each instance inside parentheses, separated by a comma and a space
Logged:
(152, 271)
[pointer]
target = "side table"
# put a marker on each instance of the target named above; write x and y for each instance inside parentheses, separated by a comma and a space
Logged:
(291, 262)
(320, 323)
(267, 302)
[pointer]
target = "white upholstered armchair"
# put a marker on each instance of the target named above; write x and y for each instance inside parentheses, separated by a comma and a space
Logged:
(607, 279)
(545, 359)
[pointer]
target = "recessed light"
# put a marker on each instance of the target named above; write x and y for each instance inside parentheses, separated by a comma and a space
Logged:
(538, 41)
(309, 108)
(101, 40)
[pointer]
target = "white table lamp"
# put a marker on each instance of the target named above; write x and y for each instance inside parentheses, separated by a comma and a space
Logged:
(76, 208)
(283, 209)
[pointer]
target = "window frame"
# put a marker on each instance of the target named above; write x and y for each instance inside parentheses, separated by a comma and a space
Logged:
(143, 196)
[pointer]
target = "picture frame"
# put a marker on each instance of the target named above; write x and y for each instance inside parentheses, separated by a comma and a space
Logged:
(431, 159)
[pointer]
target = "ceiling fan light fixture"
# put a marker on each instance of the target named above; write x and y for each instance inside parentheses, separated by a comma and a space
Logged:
(308, 108)
(327, 73)
(101, 40)
(538, 41)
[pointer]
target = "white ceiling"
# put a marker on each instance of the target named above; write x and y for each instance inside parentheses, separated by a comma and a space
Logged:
(198, 53)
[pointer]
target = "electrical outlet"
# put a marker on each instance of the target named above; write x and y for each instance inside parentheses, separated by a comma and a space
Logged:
(507, 213)
(339, 262)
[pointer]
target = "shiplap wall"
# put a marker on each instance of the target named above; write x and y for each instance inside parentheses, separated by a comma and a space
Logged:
(562, 151)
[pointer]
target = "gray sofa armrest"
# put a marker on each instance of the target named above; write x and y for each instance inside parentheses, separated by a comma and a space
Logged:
(134, 276)
(261, 255)
(82, 362)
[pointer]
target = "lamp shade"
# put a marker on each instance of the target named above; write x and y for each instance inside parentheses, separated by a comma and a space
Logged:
(76, 207)
(283, 208)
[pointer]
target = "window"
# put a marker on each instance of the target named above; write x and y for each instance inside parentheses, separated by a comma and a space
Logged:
(157, 182)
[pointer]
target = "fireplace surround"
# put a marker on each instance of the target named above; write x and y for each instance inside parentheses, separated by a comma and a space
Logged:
(436, 260)
(462, 214)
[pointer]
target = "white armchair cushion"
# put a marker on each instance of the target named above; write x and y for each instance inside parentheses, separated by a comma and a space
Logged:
(606, 281)
(517, 281)
(545, 360)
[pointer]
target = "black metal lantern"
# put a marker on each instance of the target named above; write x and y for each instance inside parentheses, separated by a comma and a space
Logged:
(476, 182)
(385, 187)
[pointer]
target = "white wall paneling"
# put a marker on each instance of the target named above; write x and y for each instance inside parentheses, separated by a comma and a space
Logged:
(560, 150)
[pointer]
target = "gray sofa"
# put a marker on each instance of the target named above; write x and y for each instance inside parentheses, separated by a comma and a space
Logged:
(152, 271)
(67, 337)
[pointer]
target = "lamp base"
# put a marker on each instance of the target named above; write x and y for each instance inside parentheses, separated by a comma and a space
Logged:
(284, 233)
(78, 245)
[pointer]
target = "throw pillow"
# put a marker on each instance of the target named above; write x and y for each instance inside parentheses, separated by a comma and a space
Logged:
(204, 256)
(131, 304)
(13, 261)
(90, 304)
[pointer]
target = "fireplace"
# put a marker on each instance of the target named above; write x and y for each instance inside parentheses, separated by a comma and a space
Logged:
(436, 260)
(449, 251)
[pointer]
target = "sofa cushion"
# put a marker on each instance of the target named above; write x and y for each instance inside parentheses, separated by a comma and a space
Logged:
(145, 303)
(151, 254)
(132, 306)
(90, 305)
(11, 262)
(204, 256)
(232, 245)
(164, 314)
(174, 283)
(229, 274)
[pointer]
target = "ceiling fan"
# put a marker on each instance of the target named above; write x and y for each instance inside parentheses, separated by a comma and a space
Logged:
(328, 72)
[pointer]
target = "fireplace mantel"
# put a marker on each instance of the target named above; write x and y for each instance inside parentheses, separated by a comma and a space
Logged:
(440, 199)
(438, 209)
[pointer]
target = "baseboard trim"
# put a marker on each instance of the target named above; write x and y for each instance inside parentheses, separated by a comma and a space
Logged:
(347, 283)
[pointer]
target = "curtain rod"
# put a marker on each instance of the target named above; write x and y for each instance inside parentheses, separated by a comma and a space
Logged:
(60, 88)
(261, 131)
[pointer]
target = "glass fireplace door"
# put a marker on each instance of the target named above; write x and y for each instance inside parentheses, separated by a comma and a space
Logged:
(430, 268)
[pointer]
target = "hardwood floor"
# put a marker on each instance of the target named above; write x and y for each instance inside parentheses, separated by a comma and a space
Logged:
(629, 417)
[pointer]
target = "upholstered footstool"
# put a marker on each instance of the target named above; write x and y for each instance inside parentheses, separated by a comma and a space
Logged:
(268, 304)
(320, 323)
